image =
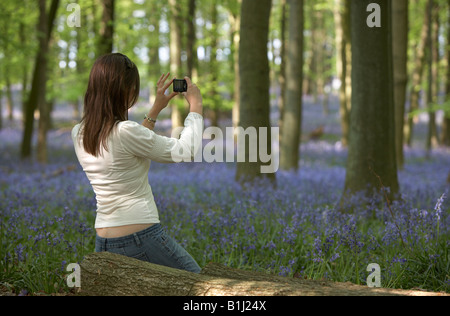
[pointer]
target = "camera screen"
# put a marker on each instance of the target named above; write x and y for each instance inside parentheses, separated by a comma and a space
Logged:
(179, 85)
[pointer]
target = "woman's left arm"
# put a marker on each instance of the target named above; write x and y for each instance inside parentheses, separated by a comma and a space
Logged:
(161, 101)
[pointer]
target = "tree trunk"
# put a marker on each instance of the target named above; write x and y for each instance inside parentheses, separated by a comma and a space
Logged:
(433, 74)
(175, 58)
(36, 98)
(292, 116)
(343, 63)
(254, 78)
(191, 47)
(371, 154)
(45, 107)
(154, 65)
(235, 22)
(214, 66)
(1, 110)
(282, 75)
(109, 274)
(25, 72)
(417, 77)
(105, 43)
(446, 124)
(400, 52)
(9, 98)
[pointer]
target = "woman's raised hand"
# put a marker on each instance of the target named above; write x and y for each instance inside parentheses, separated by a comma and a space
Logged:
(162, 100)
(194, 97)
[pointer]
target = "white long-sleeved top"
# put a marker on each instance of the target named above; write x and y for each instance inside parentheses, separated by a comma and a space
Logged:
(119, 176)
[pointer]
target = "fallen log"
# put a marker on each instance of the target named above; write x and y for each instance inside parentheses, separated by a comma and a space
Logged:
(108, 274)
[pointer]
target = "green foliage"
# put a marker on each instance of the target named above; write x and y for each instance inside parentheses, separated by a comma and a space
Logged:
(433, 108)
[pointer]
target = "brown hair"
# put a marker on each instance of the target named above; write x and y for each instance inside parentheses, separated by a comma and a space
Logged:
(112, 90)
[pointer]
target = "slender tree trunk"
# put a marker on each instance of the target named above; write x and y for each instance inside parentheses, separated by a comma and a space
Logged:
(292, 116)
(348, 58)
(400, 51)
(7, 51)
(446, 124)
(38, 89)
(235, 21)
(45, 107)
(25, 72)
(316, 68)
(154, 66)
(371, 154)
(9, 98)
(417, 77)
(433, 74)
(1, 110)
(343, 63)
(175, 57)
(311, 69)
(282, 75)
(105, 43)
(255, 82)
(191, 47)
(213, 64)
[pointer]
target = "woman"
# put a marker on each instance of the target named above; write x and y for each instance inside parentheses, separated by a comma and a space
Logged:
(115, 155)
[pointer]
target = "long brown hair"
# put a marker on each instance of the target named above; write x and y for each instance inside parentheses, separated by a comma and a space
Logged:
(112, 90)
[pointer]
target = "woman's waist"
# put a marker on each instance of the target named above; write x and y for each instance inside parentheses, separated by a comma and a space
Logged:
(122, 232)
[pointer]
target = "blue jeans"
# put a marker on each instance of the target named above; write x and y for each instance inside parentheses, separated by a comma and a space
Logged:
(152, 245)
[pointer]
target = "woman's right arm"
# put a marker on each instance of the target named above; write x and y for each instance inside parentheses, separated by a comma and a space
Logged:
(143, 142)
(193, 97)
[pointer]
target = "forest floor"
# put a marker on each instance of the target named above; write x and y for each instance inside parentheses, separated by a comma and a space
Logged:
(47, 212)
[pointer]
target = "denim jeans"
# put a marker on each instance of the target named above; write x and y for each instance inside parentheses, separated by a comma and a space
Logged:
(152, 245)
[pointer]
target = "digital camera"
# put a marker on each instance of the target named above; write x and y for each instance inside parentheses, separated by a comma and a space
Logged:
(179, 85)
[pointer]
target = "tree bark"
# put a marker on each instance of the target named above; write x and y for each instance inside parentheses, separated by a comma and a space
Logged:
(105, 43)
(446, 124)
(235, 22)
(45, 107)
(254, 107)
(191, 47)
(343, 64)
(175, 57)
(36, 98)
(292, 116)
(214, 67)
(109, 274)
(433, 75)
(371, 155)
(1, 110)
(154, 65)
(417, 76)
(400, 51)
(282, 75)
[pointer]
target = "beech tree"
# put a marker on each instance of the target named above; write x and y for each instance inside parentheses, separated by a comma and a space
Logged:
(105, 40)
(400, 51)
(37, 95)
(446, 124)
(371, 159)
(292, 112)
(254, 107)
